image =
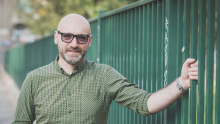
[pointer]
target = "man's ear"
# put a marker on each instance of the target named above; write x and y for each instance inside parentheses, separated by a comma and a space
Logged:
(55, 37)
(90, 40)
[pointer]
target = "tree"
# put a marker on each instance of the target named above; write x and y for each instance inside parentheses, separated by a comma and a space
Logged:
(45, 14)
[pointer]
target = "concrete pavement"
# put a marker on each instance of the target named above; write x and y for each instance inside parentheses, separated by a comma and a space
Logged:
(8, 98)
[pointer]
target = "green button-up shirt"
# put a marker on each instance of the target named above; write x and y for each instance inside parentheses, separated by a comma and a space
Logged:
(52, 96)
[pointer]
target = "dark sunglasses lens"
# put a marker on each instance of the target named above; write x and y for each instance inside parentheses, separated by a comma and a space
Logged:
(67, 37)
(82, 39)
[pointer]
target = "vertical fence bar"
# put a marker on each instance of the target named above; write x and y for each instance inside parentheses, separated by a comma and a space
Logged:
(159, 61)
(149, 39)
(108, 39)
(217, 94)
(194, 34)
(145, 52)
(163, 113)
(140, 53)
(110, 62)
(112, 40)
(117, 110)
(165, 33)
(140, 48)
(153, 53)
(136, 42)
(128, 59)
(130, 28)
(113, 62)
(125, 60)
(201, 59)
(119, 61)
(103, 41)
(210, 61)
(171, 53)
(179, 55)
(92, 51)
(129, 56)
(114, 65)
(99, 35)
(120, 41)
(187, 7)
(132, 50)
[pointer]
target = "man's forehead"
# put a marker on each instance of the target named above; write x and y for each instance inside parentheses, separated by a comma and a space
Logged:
(74, 22)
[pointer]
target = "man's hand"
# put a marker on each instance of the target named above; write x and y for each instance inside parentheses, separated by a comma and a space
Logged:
(189, 71)
(166, 96)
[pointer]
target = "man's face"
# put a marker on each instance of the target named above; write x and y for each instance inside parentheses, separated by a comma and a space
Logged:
(72, 52)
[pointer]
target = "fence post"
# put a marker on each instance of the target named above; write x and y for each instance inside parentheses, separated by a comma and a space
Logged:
(170, 53)
(186, 54)
(210, 60)
(201, 58)
(99, 28)
(194, 34)
(180, 9)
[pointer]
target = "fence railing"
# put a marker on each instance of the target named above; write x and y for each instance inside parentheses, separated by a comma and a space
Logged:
(147, 42)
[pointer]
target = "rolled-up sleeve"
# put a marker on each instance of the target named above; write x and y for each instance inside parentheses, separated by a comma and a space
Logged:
(125, 93)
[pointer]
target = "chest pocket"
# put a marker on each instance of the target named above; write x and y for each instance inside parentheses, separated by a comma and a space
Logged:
(92, 103)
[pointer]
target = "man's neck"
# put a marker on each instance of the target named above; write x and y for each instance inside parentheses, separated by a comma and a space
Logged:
(68, 68)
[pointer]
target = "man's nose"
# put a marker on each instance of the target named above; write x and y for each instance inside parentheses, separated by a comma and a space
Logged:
(74, 43)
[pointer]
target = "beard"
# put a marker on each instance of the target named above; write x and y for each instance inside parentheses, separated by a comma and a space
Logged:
(73, 59)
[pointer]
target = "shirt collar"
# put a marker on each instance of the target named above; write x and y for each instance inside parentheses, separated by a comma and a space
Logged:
(75, 70)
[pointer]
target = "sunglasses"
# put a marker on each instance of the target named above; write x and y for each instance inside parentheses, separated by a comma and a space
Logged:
(67, 37)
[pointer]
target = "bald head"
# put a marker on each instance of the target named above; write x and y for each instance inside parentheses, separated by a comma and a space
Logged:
(75, 24)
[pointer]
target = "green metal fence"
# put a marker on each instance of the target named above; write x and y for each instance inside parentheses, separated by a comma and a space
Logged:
(147, 42)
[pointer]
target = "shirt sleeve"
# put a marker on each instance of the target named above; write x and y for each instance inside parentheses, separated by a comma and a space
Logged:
(127, 94)
(25, 111)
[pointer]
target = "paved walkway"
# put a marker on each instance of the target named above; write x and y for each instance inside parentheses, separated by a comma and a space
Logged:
(7, 100)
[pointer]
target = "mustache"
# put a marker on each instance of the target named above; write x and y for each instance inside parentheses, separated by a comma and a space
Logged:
(73, 48)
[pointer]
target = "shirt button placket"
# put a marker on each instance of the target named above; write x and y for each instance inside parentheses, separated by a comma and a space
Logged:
(69, 85)
(69, 95)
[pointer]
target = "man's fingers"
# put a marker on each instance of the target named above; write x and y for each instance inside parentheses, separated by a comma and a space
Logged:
(194, 64)
(188, 62)
(193, 73)
(193, 77)
(194, 69)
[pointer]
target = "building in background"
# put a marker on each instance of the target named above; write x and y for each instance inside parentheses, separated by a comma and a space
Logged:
(12, 30)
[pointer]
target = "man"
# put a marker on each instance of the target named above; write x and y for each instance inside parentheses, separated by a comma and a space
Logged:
(75, 91)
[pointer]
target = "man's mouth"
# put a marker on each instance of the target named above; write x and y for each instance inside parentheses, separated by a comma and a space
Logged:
(73, 52)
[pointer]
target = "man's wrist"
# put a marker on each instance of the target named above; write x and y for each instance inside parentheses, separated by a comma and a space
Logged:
(180, 84)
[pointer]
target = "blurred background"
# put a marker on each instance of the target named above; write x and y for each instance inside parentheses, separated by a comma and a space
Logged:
(24, 21)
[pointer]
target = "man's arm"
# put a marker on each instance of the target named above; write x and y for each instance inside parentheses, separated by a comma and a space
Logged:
(166, 96)
(25, 111)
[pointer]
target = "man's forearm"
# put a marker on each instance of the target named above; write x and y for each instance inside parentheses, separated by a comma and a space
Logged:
(161, 99)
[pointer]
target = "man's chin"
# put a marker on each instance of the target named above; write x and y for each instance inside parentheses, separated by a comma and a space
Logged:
(73, 59)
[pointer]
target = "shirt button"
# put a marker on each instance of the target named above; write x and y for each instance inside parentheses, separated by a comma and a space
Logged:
(69, 111)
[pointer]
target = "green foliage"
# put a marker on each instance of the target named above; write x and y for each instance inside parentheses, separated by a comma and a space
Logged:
(46, 14)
